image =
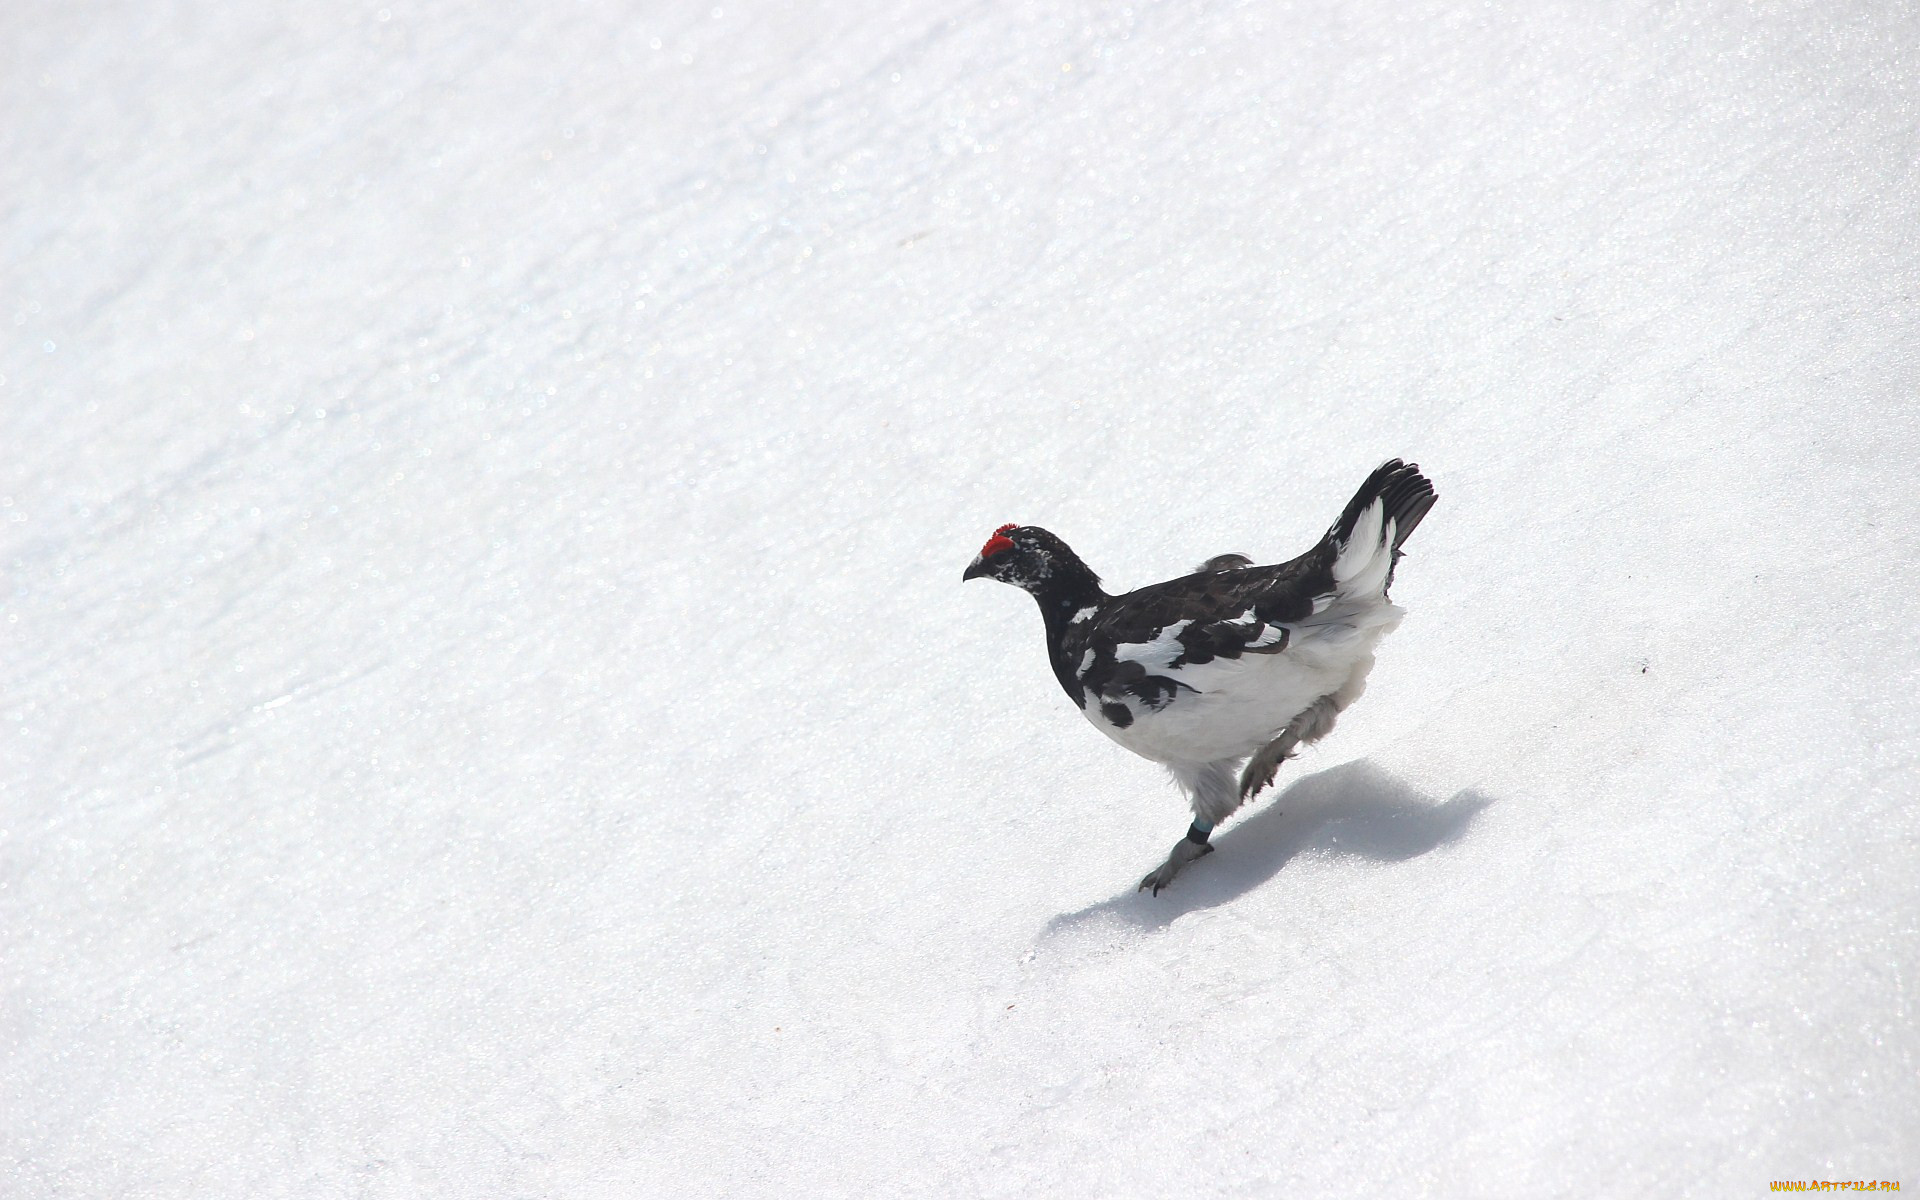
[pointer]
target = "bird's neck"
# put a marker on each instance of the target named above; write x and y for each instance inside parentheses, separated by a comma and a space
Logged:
(1068, 588)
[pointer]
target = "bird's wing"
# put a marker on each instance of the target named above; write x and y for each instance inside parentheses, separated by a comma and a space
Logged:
(1228, 608)
(1141, 644)
(1222, 612)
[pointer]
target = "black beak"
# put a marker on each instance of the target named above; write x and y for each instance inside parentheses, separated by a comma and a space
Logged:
(975, 571)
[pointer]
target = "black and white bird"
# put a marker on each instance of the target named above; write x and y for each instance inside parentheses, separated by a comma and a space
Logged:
(1234, 664)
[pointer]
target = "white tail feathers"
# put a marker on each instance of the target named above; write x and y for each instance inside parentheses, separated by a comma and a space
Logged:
(1366, 559)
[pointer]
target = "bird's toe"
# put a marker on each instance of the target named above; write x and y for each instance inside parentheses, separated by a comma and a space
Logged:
(1184, 852)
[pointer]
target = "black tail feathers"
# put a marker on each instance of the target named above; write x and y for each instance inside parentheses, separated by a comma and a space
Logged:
(1407, 494)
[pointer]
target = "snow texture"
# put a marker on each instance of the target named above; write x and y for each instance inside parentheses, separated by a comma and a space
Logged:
(488, 706)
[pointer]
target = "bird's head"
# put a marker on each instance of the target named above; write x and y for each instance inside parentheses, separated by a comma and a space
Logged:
(1025, 556)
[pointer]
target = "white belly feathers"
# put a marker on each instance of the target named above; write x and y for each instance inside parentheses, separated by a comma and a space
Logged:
(1228, 708)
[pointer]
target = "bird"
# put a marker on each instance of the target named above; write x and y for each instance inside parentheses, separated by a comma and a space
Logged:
(1220, 675)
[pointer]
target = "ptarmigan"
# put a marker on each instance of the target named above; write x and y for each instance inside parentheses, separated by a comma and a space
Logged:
(1234, 663)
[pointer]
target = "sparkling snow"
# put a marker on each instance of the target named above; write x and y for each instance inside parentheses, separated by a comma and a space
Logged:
(488, 705)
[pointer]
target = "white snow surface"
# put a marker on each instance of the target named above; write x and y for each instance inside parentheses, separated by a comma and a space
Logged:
(488, 705)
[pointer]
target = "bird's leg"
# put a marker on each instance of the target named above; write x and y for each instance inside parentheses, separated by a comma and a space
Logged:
(1313, 723)
(1260, 768)
(1188, 848)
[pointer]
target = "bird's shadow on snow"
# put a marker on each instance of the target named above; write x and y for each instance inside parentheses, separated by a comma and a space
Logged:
(1355, 809)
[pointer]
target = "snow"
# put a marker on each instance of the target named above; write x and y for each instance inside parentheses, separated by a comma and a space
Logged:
(488, 704)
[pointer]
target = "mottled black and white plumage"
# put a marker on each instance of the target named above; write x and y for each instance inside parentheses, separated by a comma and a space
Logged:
(1234, 664)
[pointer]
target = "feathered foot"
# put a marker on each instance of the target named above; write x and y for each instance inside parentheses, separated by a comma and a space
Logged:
(1260, 769)
(1188, 848)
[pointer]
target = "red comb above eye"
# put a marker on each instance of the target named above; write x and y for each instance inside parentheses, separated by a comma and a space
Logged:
(998, 542)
